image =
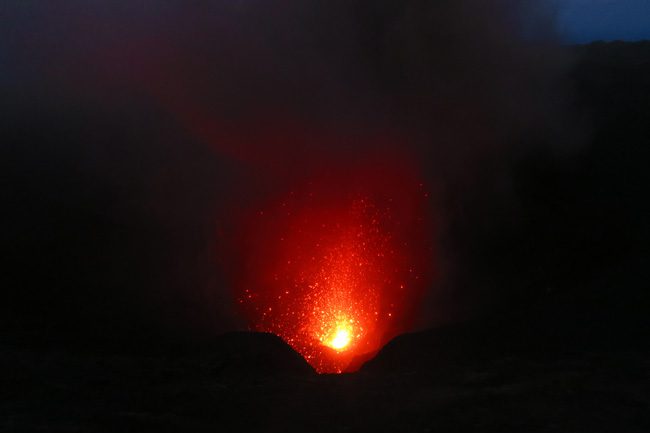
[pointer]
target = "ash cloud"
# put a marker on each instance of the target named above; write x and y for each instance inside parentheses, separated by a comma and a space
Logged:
(133, 129)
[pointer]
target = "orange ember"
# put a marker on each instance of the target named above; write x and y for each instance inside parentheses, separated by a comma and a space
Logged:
(336, 273)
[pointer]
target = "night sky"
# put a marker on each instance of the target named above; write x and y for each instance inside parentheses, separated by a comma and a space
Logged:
(582, 21)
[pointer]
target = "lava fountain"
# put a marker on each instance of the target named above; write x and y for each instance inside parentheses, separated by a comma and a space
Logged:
(338, 264)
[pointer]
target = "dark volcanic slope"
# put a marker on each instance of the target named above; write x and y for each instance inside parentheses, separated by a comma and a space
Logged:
(238, 379)
(184, 391)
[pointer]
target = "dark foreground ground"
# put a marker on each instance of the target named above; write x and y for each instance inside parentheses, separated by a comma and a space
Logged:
(240, 387)
(570, 356)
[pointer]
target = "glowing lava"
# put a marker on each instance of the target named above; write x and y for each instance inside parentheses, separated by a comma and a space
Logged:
(338, 266)
(340, 340)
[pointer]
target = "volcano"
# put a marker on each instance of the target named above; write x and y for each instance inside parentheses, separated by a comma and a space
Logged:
(338, 265)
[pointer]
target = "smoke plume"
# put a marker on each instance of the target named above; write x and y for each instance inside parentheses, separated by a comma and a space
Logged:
(139, 135)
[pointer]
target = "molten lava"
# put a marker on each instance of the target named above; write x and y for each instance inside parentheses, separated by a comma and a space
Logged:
(337, 266)
(341, 338)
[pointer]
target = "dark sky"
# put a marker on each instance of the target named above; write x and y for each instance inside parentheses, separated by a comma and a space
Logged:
(588, 20)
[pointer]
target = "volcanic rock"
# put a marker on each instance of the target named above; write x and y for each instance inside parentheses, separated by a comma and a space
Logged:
(238, 353)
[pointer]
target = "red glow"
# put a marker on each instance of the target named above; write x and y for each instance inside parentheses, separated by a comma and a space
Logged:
(337, 265)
